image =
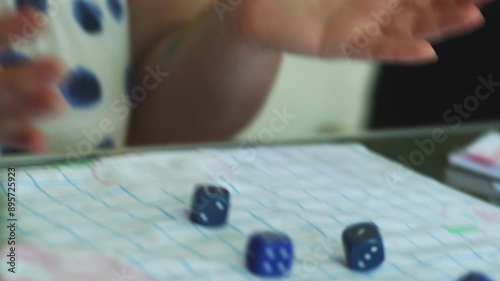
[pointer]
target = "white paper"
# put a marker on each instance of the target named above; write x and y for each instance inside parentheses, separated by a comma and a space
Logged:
(124, 218)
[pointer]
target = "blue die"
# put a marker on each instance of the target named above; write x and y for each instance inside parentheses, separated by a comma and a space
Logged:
(210, 205)
(475, 276)
(269, 254)
(363, 246)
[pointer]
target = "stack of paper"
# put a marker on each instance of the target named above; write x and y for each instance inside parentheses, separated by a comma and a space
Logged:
(482, 156)
(476, 168)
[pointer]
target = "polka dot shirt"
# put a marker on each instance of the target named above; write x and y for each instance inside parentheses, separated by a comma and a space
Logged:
(91, 38)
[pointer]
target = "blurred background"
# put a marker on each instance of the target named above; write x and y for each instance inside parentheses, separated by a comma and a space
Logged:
(325, 98)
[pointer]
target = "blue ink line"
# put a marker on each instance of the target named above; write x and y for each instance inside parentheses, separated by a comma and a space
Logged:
(96, 223)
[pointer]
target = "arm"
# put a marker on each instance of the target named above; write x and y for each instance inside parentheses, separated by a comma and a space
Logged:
(222, 70)
(216, 83)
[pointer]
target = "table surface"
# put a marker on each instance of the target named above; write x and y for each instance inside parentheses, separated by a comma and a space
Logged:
(397, 144)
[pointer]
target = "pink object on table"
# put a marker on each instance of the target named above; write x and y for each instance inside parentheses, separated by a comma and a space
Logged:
(481, 160)
(75, 265)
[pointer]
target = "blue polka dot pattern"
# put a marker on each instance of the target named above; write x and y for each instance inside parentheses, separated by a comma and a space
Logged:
(11, 150)
(82, 89)
(40, 5)
(107, 143)
(10, 56)
(88, 15)
(116, 8)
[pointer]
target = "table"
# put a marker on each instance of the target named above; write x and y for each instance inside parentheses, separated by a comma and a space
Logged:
(398, 145)
(401, 142)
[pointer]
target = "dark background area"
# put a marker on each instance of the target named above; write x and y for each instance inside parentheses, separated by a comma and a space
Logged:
(406, 96)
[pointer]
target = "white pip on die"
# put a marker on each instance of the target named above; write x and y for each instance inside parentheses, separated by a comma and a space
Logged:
(363, 246)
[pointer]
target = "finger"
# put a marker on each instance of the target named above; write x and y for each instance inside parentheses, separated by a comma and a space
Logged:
(447, 15)
(25, 77)
(18, 26)
(455, 19)
(404, 22)
(478, 3)
(435, 19)
(426, 19)
(23, 136)
(402, 51)
(44, 101)
(451, 15)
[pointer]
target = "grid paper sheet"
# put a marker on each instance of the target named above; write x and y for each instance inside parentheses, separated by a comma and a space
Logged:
(124, 218)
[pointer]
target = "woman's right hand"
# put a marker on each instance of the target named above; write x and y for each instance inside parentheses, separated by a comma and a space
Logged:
(26, 85)
(388, 31)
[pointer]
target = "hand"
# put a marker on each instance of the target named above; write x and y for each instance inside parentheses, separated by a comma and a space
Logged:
(26, 88)
(393, 31)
